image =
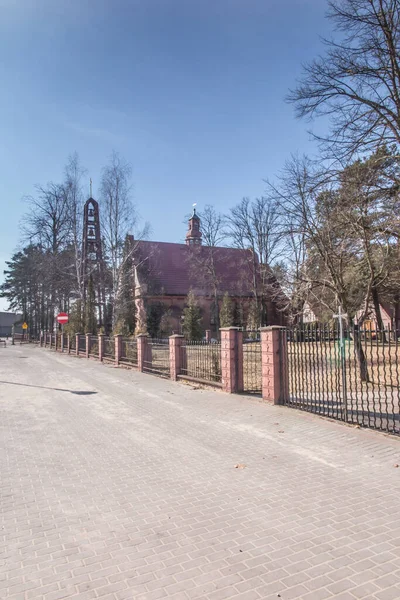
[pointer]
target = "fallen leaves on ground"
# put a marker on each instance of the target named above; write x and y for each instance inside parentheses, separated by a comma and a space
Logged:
(240, 466)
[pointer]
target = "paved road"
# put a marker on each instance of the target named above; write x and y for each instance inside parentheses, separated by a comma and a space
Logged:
(118, 485)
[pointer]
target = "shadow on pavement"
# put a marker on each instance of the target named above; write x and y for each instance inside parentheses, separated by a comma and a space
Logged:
(43, 387)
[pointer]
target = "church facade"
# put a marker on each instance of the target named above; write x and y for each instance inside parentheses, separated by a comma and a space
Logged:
(166, 272)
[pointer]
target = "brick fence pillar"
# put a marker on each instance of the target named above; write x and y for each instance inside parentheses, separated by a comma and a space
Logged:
(68, 343)
(77, 336)
(143, 350)
(231, 359)
(177, 355)
(88, 344)
(274, 364)
(118, 348)
(101, 346)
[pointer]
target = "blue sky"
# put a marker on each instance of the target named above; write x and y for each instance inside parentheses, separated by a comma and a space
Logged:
(190, 92)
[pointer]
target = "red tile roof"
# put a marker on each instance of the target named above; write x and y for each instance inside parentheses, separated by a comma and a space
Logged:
(174, 269)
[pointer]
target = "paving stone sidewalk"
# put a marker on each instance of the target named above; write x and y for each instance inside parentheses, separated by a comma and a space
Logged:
(119, 485)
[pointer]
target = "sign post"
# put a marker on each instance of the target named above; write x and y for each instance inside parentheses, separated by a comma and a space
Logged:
(62, 319)
(340, 317)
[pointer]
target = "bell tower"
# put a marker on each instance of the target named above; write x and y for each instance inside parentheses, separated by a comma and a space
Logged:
(92, 257)
(193, 236)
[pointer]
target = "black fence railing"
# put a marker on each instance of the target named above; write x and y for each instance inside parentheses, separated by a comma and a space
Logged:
(72, 342)
(252, 376)
(129, 352)
(354, 377)
(94, 346)
(82, 344)
(156, 358)
(109, 348)
(202, 361)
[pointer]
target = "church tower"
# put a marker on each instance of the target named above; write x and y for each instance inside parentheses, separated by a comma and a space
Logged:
(193, 236)
(92, 257)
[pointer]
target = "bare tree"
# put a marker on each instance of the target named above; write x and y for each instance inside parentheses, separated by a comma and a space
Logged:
(369, 208)
(256, 225)
(74, 173)
(357, 81)
(120, 219)
(47, 222)
(212, 227)
(47, 226)
(204, 258)
(334, 268)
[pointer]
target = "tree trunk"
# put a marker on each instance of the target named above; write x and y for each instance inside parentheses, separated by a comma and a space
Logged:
(396, 324)
(217, 325)
(378, 315)
(361, 359)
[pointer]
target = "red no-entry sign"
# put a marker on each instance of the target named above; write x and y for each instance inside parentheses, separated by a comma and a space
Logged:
(62, 318)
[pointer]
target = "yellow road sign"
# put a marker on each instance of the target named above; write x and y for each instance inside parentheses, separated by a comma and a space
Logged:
(24, 325)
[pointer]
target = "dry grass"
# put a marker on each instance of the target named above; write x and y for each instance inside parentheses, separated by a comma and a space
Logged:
(203, 361)
(252, 377)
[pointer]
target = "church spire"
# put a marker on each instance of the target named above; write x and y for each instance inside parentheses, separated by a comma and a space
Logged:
(193, 236)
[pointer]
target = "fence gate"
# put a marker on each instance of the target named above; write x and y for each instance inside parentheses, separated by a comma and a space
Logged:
(156, 360)
(355, 378)
(252, 370)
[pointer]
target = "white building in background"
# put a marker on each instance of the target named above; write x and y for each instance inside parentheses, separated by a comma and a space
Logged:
(308, 314)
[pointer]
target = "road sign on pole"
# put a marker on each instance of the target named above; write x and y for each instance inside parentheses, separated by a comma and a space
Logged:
(24, 325)
(62, 318)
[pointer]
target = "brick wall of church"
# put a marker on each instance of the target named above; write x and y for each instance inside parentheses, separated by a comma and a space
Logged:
(174, 306)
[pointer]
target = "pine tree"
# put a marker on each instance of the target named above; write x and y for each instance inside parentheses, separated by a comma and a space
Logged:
(75, 324)
(238, 319)
(227, 311)
(253, 316)
(154, 315)
(192, 328)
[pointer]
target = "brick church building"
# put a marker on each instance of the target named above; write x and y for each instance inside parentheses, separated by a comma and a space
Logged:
(166, 272)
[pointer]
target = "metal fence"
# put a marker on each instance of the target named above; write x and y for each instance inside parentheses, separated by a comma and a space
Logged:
(94, 346)
(252, 376)
(354, 377)
(129, 352)
(82, 344)
(72, 342)
(109, 348)
(202, 361)
(156, 358)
